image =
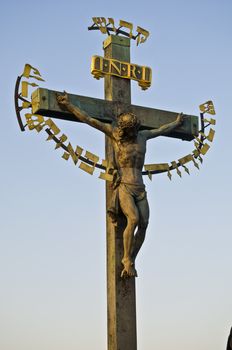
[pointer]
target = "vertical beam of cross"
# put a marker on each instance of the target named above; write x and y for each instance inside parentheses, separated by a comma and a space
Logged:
(121, 300)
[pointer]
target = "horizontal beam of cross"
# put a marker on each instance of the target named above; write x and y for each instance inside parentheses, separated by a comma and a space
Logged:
(44, 103)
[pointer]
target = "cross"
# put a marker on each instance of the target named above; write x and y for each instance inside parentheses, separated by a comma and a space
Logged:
(121, 298)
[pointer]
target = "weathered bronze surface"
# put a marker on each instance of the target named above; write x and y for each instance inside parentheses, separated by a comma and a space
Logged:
(44, 103)
(129, 146)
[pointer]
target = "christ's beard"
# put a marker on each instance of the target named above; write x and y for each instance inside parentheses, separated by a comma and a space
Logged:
(128, 133)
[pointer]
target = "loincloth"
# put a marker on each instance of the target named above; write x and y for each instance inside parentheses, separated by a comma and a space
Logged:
(137, 191)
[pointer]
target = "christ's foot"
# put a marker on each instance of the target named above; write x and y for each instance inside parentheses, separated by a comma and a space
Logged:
(129, 269)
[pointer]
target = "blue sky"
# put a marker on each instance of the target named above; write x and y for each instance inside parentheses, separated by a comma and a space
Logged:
(52, 227)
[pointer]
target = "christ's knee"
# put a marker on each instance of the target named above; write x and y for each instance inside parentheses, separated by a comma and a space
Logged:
(141, 232)
(133, 221)
(142, 226)
(140, 235)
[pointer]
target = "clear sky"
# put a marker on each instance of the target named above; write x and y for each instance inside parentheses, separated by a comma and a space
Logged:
(52, 226)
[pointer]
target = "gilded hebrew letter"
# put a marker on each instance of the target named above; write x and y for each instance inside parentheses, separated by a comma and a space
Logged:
(111, 21)
(34, 121)
(53, 129)
(127, 25)
(143, 32)
(101, 23)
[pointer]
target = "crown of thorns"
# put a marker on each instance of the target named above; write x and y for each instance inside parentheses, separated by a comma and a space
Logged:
(131, 122)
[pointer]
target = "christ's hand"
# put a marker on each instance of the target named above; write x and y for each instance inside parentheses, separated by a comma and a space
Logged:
(62, 99)
(180, 119)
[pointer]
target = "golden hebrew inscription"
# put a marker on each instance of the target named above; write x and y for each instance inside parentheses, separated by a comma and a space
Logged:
(74, 155)
(185, 159)
(211, 121)
(106, 177)
(111, 21)
(92, 157)
(143, 34)
(62, 139)
(104, 66)
(207, 107)
(156, 167)
(211, 134)
(27, 72)
(205, 148)
(34, 121)
(127, 25)
(101, 23)
(26, 104)
(175, 166)
(108, 25)
(25, 85)
(53, 128)
(87, 168)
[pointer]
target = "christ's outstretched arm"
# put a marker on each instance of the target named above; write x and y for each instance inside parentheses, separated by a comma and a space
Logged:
(164, 129)
(82, 116)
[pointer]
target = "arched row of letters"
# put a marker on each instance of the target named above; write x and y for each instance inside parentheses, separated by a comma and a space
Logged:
(108, 25)
(89, 161)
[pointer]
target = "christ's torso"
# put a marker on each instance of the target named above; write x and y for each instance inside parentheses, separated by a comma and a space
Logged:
(129, 157)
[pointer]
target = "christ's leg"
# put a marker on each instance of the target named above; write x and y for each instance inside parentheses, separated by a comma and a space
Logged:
(130, 210)
(139, 237)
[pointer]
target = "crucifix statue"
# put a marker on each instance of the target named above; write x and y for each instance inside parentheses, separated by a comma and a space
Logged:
(127, 128)
(129, 146)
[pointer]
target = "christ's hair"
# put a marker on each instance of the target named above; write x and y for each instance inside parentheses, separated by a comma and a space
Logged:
(128, 120)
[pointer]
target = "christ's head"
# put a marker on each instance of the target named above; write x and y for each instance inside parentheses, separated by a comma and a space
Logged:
(128, 125)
